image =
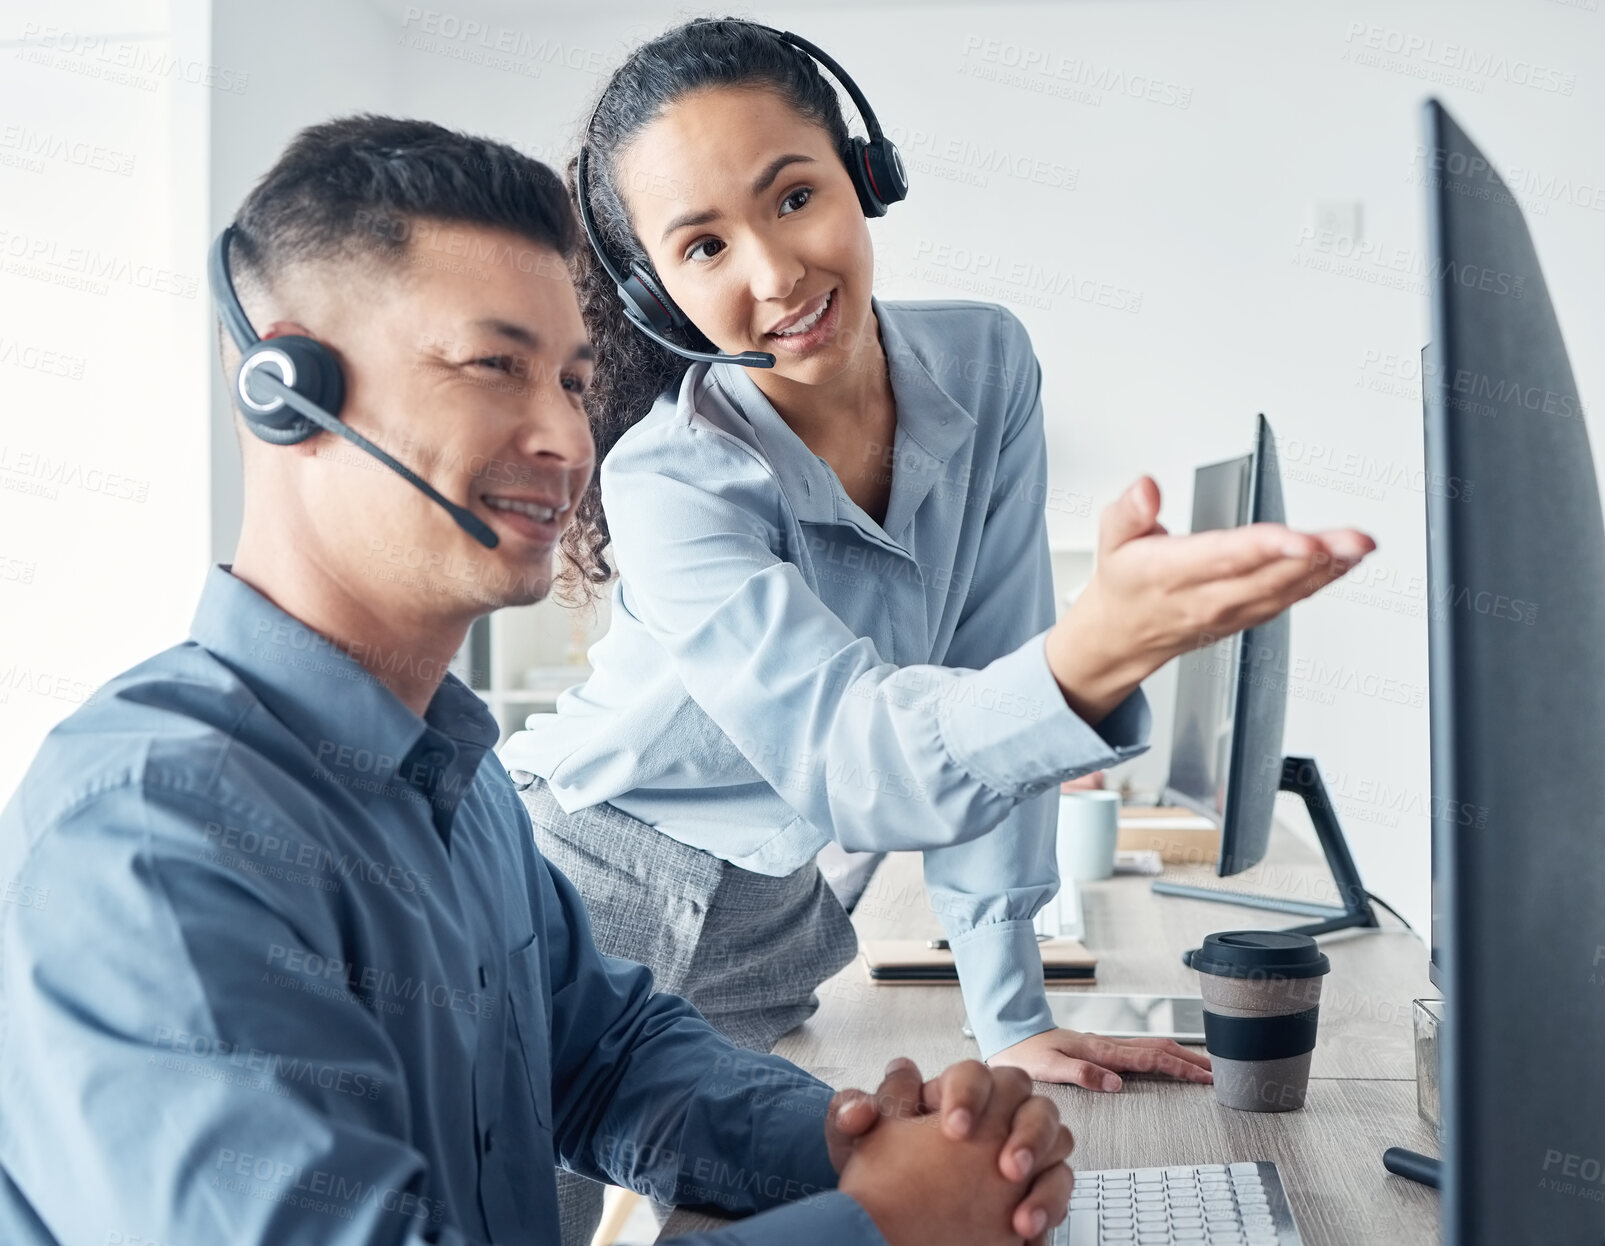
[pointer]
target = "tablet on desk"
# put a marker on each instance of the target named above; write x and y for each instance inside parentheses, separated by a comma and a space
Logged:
(1064, 961)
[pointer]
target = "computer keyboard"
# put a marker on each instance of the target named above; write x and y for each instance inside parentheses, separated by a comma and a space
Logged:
(1206, 1205)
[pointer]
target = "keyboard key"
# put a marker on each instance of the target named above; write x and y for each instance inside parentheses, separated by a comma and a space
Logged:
(1079, 1230)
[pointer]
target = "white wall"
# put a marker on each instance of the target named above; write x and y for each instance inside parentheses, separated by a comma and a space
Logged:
(308, 62)
(1068, 177)
(1165, 192)
(103, 442)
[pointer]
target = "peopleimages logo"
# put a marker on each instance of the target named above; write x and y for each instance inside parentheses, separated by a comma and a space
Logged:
(384, 989)
(1451, 64)
(1566, 1172)
(1395, 267)
(1070, 77)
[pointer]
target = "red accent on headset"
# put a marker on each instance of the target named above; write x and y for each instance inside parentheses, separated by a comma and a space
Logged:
(870, 173)
(668, 315)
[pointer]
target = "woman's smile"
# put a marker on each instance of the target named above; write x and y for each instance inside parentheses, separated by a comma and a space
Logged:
(806, 330)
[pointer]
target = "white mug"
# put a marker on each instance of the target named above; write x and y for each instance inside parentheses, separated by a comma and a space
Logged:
(1089, 825)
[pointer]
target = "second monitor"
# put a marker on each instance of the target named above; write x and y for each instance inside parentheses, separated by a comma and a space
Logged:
(1231, 705)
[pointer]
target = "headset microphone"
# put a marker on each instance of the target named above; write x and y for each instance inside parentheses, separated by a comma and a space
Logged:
(287, 388)
(277, 389)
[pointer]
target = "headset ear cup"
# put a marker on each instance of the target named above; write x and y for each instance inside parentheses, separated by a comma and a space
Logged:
(877, 172)
(858, 171)
(642, 291)
(308, 367)
(886, 162)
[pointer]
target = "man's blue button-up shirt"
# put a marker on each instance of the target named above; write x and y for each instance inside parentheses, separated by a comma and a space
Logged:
(279, 962)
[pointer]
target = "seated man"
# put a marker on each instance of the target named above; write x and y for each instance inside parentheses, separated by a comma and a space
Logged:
(281, 962)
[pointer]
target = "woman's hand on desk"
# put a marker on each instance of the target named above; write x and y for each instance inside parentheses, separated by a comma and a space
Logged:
(1153, 596)
(961, 1100)
(1096, 1063)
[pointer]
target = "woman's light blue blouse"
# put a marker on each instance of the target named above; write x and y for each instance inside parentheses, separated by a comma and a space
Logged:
(781, 670)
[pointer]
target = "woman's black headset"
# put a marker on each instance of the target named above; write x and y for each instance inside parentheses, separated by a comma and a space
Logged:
(873, 163)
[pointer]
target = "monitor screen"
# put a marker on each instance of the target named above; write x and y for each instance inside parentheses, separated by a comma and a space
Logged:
(1254, 764)
(1231, 696)
(1516, 627)
(1202, 735)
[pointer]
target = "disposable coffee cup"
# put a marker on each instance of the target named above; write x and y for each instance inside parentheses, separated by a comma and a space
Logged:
(1262, 997)
(1089, 829)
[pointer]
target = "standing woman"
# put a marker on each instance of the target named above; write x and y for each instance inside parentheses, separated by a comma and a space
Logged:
(833, 620)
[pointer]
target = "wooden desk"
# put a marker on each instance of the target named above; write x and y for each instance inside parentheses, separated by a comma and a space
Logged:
(1362, 1089)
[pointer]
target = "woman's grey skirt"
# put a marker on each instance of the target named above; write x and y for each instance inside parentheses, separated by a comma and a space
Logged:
(746, 949)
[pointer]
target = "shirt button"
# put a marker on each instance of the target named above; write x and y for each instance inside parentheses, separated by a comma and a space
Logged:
(484, 978)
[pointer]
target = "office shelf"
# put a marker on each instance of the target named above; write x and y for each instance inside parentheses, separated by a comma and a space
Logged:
(520, 659)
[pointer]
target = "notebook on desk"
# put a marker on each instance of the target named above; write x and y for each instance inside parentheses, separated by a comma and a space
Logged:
(893, 962)
(1180, 836)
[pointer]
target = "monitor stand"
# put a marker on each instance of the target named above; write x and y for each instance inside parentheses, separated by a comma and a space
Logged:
(1301, 777)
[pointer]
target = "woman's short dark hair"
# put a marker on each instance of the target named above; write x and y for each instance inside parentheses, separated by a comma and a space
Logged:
(631, 370)
(352, 189)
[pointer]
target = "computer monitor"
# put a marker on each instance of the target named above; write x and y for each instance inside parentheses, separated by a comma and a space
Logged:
(1231, 696)
(1516, 573)
(1205, 705)
(1231, 706)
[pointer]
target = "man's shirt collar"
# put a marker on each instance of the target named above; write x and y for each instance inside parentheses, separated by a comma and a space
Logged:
(352, 724)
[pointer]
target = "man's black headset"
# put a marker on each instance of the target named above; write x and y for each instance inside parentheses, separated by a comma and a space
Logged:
(289, 387)
(872, 163)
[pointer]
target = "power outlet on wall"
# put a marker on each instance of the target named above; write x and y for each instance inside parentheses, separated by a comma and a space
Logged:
(1338, 219)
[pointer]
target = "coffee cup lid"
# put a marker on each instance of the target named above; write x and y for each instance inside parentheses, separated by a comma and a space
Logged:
(1260, 954)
